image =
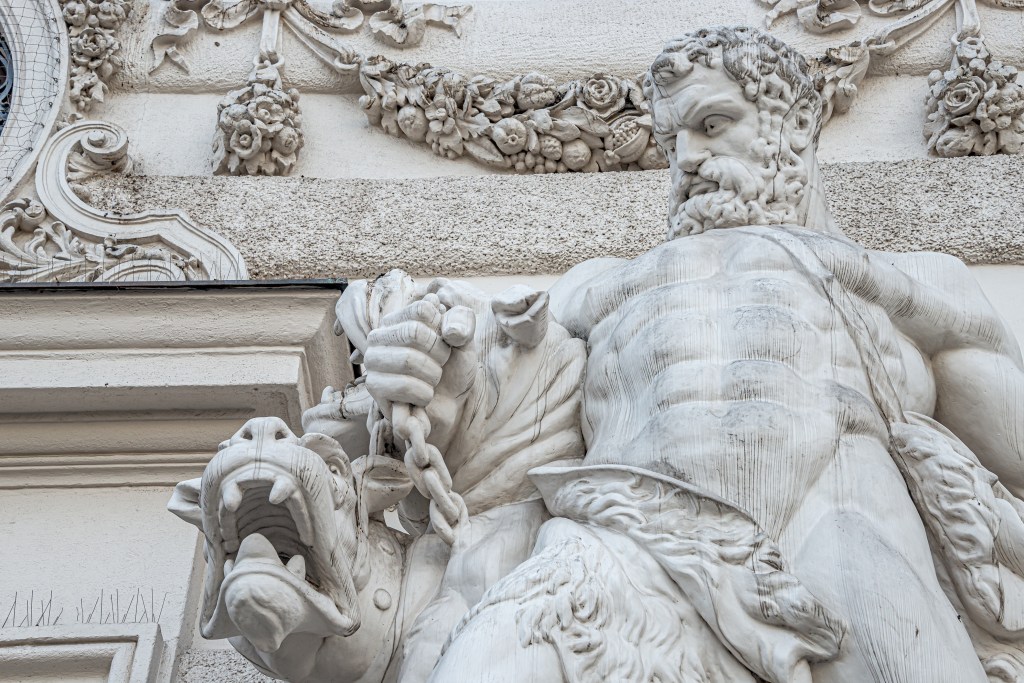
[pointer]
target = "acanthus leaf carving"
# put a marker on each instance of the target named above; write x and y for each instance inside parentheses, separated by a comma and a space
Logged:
(35, 248)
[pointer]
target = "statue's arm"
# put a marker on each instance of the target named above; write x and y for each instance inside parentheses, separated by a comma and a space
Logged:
(976, 363)
(497, 378)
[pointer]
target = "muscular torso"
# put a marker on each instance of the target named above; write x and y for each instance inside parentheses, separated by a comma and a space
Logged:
(722, 360)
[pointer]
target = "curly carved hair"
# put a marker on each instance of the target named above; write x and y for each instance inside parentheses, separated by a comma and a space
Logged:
(769, 71)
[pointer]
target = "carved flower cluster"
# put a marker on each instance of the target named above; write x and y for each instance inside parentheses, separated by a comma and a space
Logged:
(259, 128)
(94, 49)
(976, 107)
(530, 124)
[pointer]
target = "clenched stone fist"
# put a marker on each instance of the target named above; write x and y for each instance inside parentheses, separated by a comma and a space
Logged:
(406, 354)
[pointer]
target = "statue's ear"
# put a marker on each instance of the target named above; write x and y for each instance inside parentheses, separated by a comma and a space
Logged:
(185, 502)
(802, 123)
(381, 482)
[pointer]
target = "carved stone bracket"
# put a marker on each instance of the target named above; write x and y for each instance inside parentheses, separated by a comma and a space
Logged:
(60, 237)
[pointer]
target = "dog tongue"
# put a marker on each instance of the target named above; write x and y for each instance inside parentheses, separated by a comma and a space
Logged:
(256, 547)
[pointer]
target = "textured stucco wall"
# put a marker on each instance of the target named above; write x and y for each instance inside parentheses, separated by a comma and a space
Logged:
(305, 227)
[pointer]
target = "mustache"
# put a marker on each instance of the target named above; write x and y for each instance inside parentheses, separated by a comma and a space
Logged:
(724, 191)
(721, 173)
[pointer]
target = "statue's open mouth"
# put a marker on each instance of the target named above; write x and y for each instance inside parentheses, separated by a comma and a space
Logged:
(273, 542)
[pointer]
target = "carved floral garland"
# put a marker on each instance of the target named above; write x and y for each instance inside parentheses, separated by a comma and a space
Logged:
(259, 127)
(530, 123)
(95, 52)
(974, 108)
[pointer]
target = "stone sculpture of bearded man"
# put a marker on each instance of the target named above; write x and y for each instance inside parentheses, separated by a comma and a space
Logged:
(757, 452)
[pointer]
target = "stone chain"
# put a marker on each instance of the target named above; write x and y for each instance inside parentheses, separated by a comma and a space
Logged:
(428, 471)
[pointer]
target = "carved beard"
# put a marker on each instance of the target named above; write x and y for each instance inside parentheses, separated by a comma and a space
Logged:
(726, 192)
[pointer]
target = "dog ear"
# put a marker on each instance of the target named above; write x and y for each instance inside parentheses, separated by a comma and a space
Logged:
(184, 502)
(381, 482)
(330, 450)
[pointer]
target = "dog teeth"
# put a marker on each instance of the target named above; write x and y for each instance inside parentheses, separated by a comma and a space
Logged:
(229, 564)
(284, 487)
(297, 566)
(232, 496)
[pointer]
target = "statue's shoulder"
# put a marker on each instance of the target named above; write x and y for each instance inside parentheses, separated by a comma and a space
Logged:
(943, 273)
(568, 293)
(944, 284)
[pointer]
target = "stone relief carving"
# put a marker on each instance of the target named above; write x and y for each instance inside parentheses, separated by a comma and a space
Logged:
(530, 123)
(95, 50)
(259, 127)
(976, 107)
(266, 139)
(993, 125)
(59, 237)
(758, 452)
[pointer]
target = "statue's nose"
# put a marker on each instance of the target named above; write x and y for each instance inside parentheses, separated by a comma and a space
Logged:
(264, 430)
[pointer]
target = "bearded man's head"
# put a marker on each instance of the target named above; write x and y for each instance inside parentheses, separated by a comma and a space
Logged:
(738, 115)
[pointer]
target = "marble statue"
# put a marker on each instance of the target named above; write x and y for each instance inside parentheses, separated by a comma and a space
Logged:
(758, 452)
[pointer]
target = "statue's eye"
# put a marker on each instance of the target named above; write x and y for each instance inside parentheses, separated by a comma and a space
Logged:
(715, 124)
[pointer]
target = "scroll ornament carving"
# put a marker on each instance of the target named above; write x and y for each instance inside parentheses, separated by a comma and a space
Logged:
(59, 237)
(36, 248)
(95, 50)
(976, 107)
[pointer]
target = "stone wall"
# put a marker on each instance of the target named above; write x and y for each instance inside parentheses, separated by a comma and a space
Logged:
(469, 226)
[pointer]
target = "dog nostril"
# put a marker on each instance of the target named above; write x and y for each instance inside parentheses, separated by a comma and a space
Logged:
(247, 434)
(279, 435)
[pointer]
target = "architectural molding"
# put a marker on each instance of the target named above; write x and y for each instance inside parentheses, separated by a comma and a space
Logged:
(61, 237)
(135, 397)
(540, 224)
(122, 653)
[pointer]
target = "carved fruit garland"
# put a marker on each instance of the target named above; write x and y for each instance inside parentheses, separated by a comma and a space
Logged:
(530, 124)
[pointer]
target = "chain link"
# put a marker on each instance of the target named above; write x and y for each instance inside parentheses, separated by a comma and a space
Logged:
(428, 471)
